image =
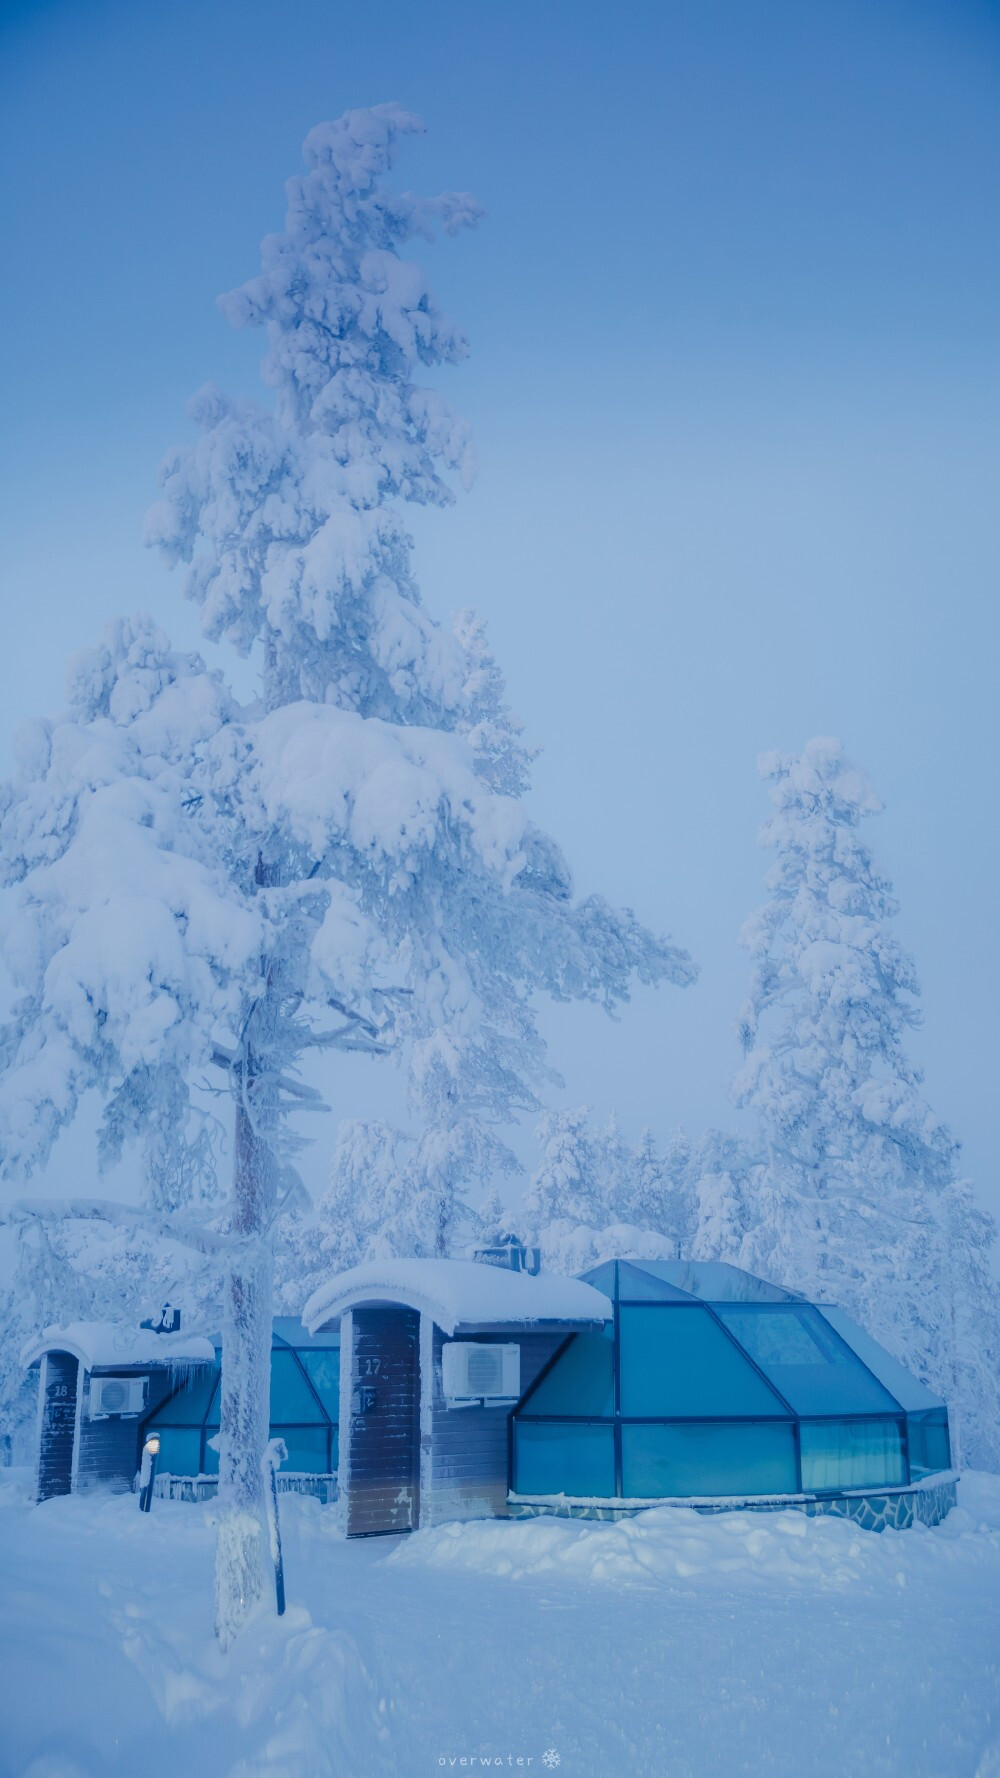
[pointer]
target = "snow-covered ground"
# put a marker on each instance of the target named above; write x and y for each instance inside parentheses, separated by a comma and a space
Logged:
(671, 1646)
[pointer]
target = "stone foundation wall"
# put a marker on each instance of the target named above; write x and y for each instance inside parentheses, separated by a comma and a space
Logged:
(926, 1503)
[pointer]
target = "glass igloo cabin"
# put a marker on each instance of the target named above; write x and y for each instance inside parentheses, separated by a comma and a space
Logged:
(304, 1408)
(710, 1385)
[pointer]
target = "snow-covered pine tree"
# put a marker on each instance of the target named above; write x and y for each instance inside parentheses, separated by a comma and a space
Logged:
(343, 863)
(661, 1195)
(723, 1187)
(595, 1197)
(568, 1184)
(856, 1193)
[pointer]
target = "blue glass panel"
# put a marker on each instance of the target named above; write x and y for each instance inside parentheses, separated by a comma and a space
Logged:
(210, 1465)
(851, 1454)
(638, 1283)
(930, 1447)
(713, 1281)
(602, 1278)
(706, 1460)
(180, 1448)
(291, 1397)
(553, 1457)
(581, 1381)
(188, 1406)
(804, 1358)
(322, 1365)
(678, 1361)
(911, 1394)
(212, 1417)
(307, 1449)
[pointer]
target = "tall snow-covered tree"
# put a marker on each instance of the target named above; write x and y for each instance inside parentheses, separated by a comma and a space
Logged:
(722, 1180)
(594, 1196)
(344, 863)
(856, 1194)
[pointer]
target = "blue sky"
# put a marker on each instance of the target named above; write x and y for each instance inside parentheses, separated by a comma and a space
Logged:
(734, 383)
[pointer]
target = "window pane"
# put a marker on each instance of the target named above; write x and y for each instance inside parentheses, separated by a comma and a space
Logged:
(323, 1367)
(180, 1448)
(560, 1458)
(678, 1361)
(188, 1406)
(930, 1448)
(684, 1460)
(306, 1449)
(851, 1454)
(581, 1381)
(805, 1358)
(291, 1397)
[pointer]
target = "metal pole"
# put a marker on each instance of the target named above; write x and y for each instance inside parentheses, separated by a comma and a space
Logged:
(276, 1453)
(147, 1472)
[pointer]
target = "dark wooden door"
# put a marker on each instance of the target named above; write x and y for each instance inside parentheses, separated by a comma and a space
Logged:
(384, 1473)
(55, 1452)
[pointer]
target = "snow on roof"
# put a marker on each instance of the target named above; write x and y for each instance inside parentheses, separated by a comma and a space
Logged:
(101, 1344)
(459, 1292)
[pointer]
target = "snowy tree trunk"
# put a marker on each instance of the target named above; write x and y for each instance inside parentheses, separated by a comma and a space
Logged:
(246, 1363)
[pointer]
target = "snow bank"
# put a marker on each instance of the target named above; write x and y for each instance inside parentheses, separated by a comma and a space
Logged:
(667, 1545)
(738, 1647)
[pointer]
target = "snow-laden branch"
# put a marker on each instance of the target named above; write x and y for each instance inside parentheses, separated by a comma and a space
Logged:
(171, 1228)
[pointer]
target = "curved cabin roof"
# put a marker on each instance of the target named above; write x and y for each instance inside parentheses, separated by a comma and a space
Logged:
(100, 1345)
(460, 1293)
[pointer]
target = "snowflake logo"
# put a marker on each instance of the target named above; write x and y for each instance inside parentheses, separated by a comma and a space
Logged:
(550, 1759)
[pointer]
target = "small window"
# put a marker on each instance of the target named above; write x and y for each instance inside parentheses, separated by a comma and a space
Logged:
(560, 1457)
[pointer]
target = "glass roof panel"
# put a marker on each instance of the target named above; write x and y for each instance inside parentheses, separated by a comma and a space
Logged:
(188, 1405)
(322, 1366)
(637, 1282)
(292, 1400)
(602, 1278)
(289, 1331)
(816, 1372)
(212, 1417)
(678, 1362)
(911, 1394)
(581, 1381)
(714, 1281)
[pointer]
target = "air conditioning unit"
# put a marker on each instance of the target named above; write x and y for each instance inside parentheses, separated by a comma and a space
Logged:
(473, 1372)
(116, 1395)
